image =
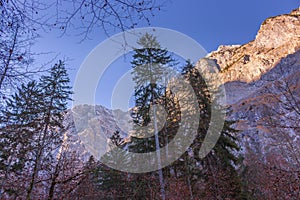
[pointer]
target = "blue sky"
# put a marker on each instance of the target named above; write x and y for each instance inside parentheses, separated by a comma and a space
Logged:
(211, 23)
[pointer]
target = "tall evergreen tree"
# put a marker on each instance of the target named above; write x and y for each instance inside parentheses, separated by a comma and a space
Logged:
(222, 159)
(150, 66)
(111, 182)
(34, 119)
(19, 122)
(55, 94)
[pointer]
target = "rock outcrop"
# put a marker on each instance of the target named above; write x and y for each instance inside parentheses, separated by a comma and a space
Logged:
(277, 37)
(262, 81)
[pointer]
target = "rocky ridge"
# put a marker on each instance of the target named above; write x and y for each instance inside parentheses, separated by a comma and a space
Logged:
(277, 37)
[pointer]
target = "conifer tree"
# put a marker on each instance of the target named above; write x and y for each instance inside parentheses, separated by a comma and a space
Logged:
(19, 123)
(221, 160)
(110, 180)
(150, 65)
(33, 126)
(55, 95)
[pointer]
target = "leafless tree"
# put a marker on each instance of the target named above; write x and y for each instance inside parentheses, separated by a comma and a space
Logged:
(84, 16)
(284, 115)
(14, 50)
(279, 159)
(23, 20)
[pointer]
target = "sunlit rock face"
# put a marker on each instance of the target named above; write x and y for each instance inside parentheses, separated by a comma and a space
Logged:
(278, 31)
(89, 130)
(277, 37)
(262, 81)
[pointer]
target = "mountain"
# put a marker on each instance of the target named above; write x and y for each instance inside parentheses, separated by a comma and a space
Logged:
(277, 37)
(262, 83)
(90, 128)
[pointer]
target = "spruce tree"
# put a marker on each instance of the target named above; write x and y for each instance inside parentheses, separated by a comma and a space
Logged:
(150, 66)
(55, 95)
(19, 122)
(218, 167)
(109, 180)
(32, 124)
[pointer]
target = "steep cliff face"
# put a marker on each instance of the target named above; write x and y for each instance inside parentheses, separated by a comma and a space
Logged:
(268, 113)
(89, 130)
(277, 37)
(262, 81)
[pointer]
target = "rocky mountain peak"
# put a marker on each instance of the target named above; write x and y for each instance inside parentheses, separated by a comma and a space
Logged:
(296, 11)
(277, 37)
(280, 30)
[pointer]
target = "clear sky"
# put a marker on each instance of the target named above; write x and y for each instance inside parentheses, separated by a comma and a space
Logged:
(211, 23)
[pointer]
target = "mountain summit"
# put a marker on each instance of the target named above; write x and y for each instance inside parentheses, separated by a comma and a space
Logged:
(277, 37)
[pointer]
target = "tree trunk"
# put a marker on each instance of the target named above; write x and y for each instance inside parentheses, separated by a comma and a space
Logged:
(161, 178)
(6, 67)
